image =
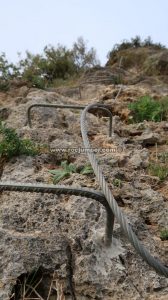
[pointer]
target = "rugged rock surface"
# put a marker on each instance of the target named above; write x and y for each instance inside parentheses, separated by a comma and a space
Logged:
(147, 60)
(62, 236)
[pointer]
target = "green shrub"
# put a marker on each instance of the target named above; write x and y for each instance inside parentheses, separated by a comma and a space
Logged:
(65, 171)
(11, 145)
(146, 108)
(37, 81)
(117, 182)
(87, 169)
(159, 170)
(4, 85)
(164, 234)
(57, 63)
(7, 72)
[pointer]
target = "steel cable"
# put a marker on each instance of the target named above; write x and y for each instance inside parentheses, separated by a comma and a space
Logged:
(121, 218)
(110, 204)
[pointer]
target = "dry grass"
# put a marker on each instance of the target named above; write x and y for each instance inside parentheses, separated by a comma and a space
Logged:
(31, 290)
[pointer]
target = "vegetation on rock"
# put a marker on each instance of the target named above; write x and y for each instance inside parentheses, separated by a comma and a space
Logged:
(87, 169)
(159, 170)
(12, 145)
(67, 169)
(134, 43)
(164, 234)
(146, 108)
(55, 63)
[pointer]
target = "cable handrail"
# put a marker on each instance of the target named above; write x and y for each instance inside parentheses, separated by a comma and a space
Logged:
(112, 208)
(121, 218)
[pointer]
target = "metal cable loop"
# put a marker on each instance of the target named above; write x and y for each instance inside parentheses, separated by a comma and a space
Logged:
(121, 218)
(60, 189)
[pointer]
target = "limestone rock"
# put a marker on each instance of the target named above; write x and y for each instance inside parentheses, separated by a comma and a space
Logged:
(4, 113)
(148, 138)
(63, 235)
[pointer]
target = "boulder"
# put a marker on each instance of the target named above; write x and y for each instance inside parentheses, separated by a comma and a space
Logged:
(148, 139)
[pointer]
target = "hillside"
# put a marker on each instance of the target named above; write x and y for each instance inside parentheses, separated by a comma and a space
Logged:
(52, 245)
(142, 63)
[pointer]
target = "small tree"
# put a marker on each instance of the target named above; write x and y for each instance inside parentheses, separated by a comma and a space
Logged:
(136, 41)
(59, 62)
(5, 67)
(84, 58)
(7, 72)
(32, 69)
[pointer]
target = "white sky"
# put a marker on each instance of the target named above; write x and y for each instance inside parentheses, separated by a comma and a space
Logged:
(33, 24)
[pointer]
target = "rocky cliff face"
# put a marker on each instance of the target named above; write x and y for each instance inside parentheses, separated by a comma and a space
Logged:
(51, 246)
